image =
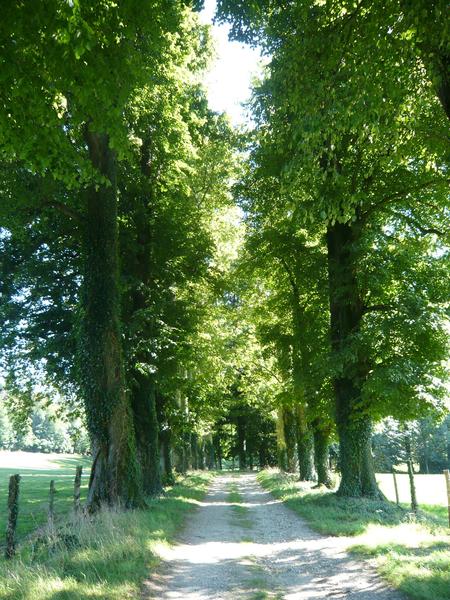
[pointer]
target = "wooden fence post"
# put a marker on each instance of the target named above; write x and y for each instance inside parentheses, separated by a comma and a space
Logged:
(13, 511)
(447, 480)
(51, 503)
(76, 489)
(412, 486)
(394, 474)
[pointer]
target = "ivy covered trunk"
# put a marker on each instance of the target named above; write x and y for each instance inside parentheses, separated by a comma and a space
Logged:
(290, 438)
(346, 311)
(116, 476)
(217, 441)
(195, 450)
(304, 437)
(321, 445)
(305, 447)
(143, 387)
(146, 428)
(201, 455)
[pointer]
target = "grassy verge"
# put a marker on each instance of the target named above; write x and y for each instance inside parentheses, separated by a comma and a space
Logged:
(412, 553)
(106, 558)
(36, 471)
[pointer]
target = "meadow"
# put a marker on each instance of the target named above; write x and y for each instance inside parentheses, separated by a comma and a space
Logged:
(107, 556)
(36, 471)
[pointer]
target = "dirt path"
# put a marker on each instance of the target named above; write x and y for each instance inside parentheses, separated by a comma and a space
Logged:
(258, 549)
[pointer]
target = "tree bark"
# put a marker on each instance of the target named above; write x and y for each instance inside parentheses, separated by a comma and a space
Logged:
(281, 444)
(116, 477)
(143, 390)
(218, 449)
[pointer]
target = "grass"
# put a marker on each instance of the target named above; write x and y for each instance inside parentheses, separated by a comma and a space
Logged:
(431, 489)
(259, 584)
(107, 557)
(412, 551)
(36, 471)
(240, 512)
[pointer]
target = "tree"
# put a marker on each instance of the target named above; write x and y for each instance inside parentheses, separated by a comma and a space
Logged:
(350, 134)
(75, 132)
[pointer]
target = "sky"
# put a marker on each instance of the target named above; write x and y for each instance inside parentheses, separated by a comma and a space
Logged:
(228, 82)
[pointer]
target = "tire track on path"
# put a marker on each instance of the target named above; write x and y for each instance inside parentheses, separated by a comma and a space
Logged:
(285, 559)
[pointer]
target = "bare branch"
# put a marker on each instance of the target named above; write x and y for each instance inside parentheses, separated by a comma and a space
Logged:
(64, 209)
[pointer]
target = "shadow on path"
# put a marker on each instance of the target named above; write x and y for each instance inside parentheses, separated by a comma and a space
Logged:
(277, 556)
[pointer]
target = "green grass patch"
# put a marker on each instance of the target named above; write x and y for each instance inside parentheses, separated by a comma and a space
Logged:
(326, 512)
(412, 552)
(106, 557)
(240, 512)
(36, 471)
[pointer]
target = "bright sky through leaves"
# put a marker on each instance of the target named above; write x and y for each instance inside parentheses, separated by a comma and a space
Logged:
(228, 82)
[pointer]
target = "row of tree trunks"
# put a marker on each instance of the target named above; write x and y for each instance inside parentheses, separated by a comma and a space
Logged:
(123, 425)
(309, 442)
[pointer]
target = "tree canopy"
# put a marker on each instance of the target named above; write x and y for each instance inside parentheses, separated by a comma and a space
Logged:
(195, 294)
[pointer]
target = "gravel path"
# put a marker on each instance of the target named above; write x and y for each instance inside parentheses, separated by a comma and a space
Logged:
(258, 552)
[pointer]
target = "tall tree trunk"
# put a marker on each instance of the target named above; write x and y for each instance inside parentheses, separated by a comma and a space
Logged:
(346, 310)
(146, 428)
(143, 389)
(321, 444)
(242, 454)
(116, 476)
(281, 444)
(290, 438)
(201, 455)
(448, 440)
(218, 449)
(195, 451)
(305, 447)
(165, 438)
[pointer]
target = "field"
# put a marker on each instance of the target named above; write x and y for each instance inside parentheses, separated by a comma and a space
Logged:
(108, 557)
(431, 493)
(36, 471)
